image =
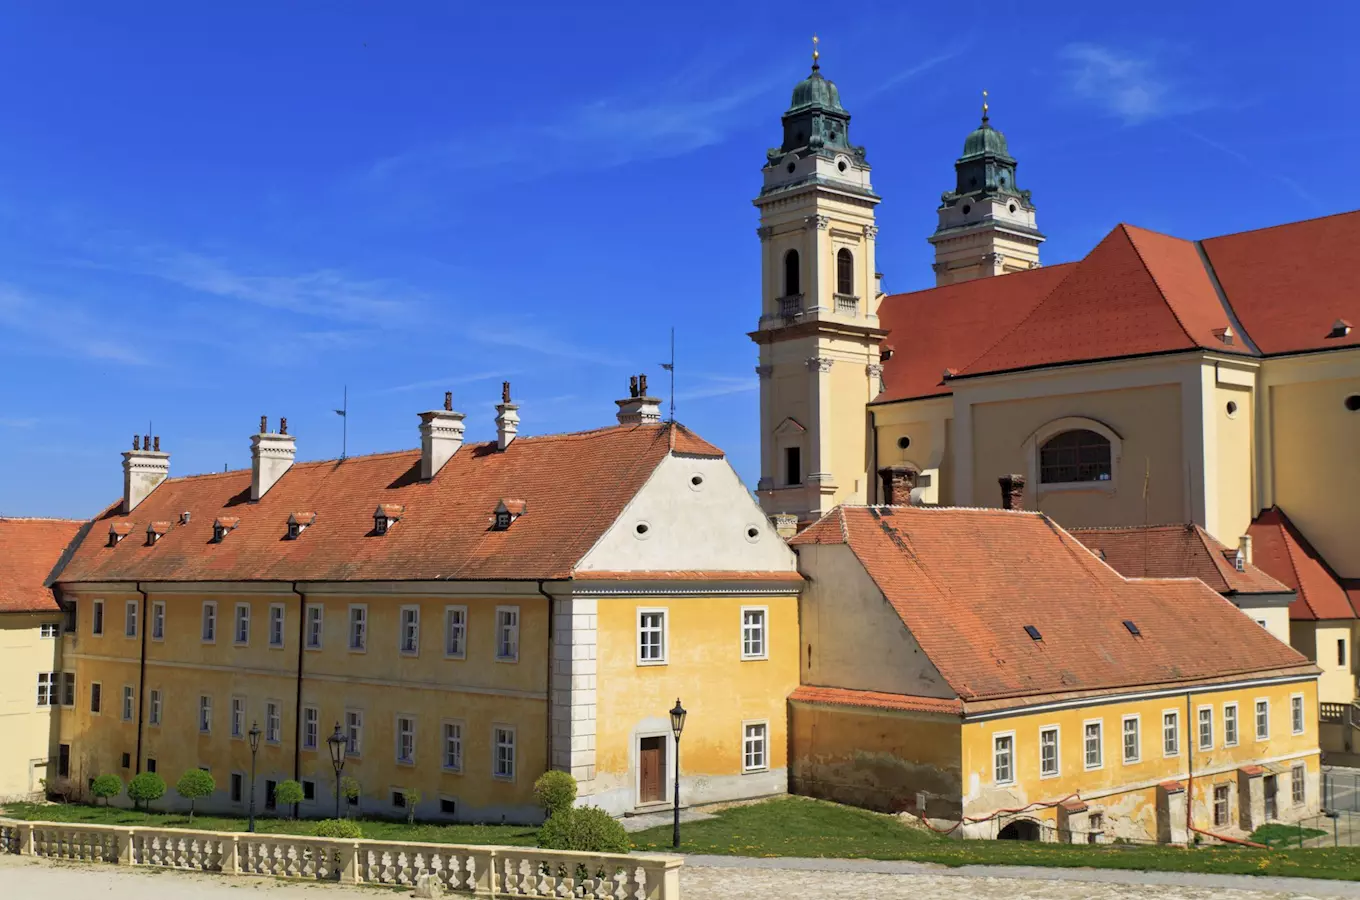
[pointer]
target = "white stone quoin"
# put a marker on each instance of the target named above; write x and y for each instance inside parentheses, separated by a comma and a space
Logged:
(441, 434)
(271, 454)
(143, 469)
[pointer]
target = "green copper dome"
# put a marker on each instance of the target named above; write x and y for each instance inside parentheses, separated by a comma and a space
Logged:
(816, 91)
(985, 140)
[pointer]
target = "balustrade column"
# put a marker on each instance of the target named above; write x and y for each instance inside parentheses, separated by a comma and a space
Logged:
(25, 840)
(127, 853)
(231, 858)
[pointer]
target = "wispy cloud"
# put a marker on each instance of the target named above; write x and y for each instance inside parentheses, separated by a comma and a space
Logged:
(441, 383)
(1292, 184)
(535, 340)
(61, 325)
(17, 423)
(717, 386)
(1132, 87)
(909, 73)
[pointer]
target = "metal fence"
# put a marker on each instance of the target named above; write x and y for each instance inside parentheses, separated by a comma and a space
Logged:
(1341, 790)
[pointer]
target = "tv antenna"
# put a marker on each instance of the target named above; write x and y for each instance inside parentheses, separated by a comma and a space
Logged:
(670, 367)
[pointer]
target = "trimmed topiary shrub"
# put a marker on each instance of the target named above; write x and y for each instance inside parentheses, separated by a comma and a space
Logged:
(288, 793)
(146, 788)
(338, 828)
(106, 786)
(588, 829)
(194, 785)
(555, 791)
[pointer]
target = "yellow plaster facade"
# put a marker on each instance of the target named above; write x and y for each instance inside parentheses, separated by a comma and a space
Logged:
(29, 700)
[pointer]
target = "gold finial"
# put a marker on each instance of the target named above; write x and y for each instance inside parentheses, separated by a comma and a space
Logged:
(985, 107)
(816, 55)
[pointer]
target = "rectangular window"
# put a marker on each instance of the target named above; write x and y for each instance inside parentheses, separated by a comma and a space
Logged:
(793, 465)
(151, 764)
(314, 611)
(96, 697)
(130, 619)
(49, 630)
(1297, 776)
(204, 714)
(311, 727)
(158, 620)
(1230, 724)
(358, 627)
(1222, 807)
(455, 632)
(1206, 727)
(408, 640)
(754, 749)
(70, 609)
(238, 717)
(209, 621)
(128, 698)
(276, 622)
(507, 633)
(1048, 752)
(1095, 751)
(46, 688)
(1133, 744)
(448, 806)
(1171, 733)
(354, 732)
(1003, 758)
(753, 632)
(68, 689)
(63, 760)
(125, 760)
(309, 791)
(1095, 827)
(97, 620)
(241, 631)
(154, 714)
(406, 740)
(1341, 652)
(237, 787)
(453, 746)
(503, 743)
(1296, 722)
(269, 801)
(399, 799)
(651, 636)
(273, 722)
(1262, 720)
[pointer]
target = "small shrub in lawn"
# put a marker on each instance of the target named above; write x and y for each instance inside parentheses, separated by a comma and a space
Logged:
(194, 785)
(350, 789)
(589, 829)
(146, 788)
(288, 793)
(413, 797)
(555, 791)
(338, 828)
(106, 786)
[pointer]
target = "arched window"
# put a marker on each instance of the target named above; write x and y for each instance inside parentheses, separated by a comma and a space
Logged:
(1072, 456)
(791, 273)
(845, 272)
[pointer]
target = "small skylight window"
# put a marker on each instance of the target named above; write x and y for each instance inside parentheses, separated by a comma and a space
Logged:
(1240, 561)
(222, 526)
(385, 516)
(155, 531)
(507, 511)
(118, 531)
(1340, 328)
(298, 522)
(1133, 629)
(1033, 633)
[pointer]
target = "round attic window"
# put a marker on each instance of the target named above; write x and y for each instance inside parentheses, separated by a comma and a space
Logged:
(641, 531)
(903, 442)
(1353, 403)
(1232, 408)
(752, 533)
(1012, 207)
(967, 209)
(696, 482)
(842, 166)
(791, 167)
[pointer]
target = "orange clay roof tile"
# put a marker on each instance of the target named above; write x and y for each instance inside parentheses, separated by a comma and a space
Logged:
(1281, 550)
(1176, 551)
(30, 552)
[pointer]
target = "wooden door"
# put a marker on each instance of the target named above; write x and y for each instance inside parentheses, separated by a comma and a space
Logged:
(652, 767)
(1271, 787)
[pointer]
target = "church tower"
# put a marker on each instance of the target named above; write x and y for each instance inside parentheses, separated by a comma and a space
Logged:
(818, 332)
(986, 223)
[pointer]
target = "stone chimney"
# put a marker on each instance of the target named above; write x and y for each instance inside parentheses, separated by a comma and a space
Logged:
(786, 525)
(441, 434)
(1012, 491)
(639, 409)
(898, 483)
(507, 418)
(271, 454)
(144, 467)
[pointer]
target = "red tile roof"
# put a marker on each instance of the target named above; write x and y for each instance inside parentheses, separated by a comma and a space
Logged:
(30, 551)
(875, 700)
(966, 582)
(576, 484)
(691, 575)
(1281, 550)
(1176, 551)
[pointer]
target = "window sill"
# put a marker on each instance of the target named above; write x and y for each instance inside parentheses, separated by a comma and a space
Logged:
(276, 647)
(455, 656)
(756, 771)
(447, 771)
(755, 658)
(1107, 487)
(507, 659)
(1049, 776)
(649, 663)
(406, 763)
(508, 779)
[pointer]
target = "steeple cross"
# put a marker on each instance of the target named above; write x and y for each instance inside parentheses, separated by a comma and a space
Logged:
(815, 53)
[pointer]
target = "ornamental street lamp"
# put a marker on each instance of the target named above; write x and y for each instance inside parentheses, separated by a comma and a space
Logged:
(254, 735)
(677, 725)
(338, 745)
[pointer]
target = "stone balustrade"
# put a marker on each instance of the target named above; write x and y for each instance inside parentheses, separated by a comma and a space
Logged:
(466, 869)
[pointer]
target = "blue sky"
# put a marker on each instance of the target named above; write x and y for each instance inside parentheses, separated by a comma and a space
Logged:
(206, 216)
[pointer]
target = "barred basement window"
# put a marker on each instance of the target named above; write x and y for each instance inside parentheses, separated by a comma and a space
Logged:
(1075, 456)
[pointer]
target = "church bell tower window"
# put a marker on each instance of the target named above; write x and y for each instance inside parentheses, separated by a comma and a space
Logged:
(791, 273)
(845, 272)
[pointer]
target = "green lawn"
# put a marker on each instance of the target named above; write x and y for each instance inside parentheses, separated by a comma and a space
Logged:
(1277, 834)
(797, 826)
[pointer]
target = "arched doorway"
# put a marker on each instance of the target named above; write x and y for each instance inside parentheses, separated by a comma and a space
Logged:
(1020, 830)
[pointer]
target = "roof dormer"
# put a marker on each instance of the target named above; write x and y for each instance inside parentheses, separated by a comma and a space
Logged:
(507, 511)
(155, 531)
(299, 522)
(222, 525)
(118, 531)
(385, 516)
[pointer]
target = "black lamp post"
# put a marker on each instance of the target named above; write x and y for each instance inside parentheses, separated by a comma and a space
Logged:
(254, 735)
(338, 744)
(677, 725)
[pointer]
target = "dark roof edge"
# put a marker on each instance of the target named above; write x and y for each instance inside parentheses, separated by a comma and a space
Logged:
(1223, 298)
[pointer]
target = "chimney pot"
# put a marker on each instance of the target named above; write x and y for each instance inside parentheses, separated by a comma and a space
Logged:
(270, 456)
(1012, 491)
(448, 401)
(136, 442)
(264, 424)
(638, 408)
(283, 425)
(157, 446)
(507, 418)
(898, 483)
(441, 434)
(143, 469)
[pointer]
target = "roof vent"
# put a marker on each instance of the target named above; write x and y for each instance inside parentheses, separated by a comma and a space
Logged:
(385, 516)
(298, 522)
(118, 531)
(1340, 328)
(1225, 334)
(184, 517)
(155, 531)
(1101, 554)
(1133, 629)
(507, 511)
(1033, 633)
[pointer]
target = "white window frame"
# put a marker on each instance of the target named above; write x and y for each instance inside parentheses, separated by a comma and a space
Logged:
(1008, 737)
(238, 722)
(445, 740)
(205, 705)
(1174, 733)
(1256, 718)
(1100, 745)
(497, 729)
(664, 630)
(764, 741)
(362, 621)
(1231, 739)
(273, 722)
(500, 630)
(413, 649)
(236, 620)
(154, 701)
(1137, 721)
(1297, 710)
(461, 629)
(1298, 784)
(130, 622)
(320, 621)
(1227, 804)
(354, 732)
(129, 704)
(278, 614)
(97, 618)
(49, 630)
(68, 678)
(208, 623)
(764, 652)
(311, 719)
(399, 733)
(1056, 731)
(45, 685)
(1200, 743)
(157, 620)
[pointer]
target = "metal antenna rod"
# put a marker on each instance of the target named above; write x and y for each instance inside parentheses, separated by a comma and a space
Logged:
(670, 367)
(344, 429)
